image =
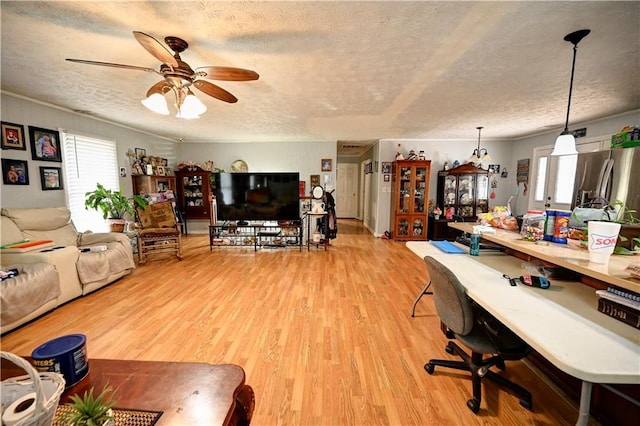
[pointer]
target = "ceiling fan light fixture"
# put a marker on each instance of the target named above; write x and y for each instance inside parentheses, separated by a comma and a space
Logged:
(156, 103)
(566, 142)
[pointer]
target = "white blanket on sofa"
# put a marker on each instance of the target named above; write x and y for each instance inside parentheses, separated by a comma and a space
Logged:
(97, 266)
(35, 285)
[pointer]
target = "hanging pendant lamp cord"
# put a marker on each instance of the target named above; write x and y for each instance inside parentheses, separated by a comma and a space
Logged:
(573, 67)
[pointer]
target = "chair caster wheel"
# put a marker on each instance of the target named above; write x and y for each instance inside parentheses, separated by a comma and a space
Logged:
(449, 349)
(526, 403)
(474, 405)
(429, 368)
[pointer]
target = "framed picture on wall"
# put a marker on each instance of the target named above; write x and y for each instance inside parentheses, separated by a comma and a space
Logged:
(51, 178)
(326, 164)
(386, 167)
(15, 172)
(13, 136)
(314, 180)
(141, 153)
(45, 144)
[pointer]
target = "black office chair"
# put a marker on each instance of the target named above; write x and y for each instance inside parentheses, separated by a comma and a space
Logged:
(476, 329)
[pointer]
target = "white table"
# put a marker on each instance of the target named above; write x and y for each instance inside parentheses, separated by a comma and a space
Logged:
(561, 323)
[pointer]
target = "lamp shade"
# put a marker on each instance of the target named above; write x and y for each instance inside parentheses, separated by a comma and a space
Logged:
(156, 103)
(565, 145)
(192, 107)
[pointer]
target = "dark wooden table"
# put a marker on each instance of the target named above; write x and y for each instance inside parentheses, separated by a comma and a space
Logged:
(187, 393)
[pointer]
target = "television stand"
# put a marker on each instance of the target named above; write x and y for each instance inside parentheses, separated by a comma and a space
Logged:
(256, 235)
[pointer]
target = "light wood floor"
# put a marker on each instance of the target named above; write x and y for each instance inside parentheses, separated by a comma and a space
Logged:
(325, 338)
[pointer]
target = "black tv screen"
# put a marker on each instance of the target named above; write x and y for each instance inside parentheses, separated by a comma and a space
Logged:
(257, 196)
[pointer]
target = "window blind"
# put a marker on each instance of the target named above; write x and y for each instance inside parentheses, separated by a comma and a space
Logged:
(87, 161)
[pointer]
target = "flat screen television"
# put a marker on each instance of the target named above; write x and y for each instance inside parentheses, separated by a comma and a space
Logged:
(257, 196)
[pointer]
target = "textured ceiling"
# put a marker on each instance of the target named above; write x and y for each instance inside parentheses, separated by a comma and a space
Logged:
(346, 71)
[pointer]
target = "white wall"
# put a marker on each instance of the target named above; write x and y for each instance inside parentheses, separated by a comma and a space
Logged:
(21, 111)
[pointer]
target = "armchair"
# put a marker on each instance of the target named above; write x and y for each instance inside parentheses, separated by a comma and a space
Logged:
(159, 232)
(477, 330)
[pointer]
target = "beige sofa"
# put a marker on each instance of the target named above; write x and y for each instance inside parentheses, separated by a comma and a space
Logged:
(79, 272)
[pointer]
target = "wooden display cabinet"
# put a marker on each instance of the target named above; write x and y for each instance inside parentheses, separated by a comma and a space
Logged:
(148, 184)
(409, 197)
(193, 192)
(465, 190)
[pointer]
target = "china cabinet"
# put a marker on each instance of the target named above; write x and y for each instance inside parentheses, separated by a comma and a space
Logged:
(409, 196)
(464, 192)
(194, 191)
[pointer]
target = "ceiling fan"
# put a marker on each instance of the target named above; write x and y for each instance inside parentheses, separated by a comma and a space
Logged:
(178, 77)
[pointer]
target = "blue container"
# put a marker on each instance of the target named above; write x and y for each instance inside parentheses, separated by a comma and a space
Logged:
(474, 248)
(66, 355)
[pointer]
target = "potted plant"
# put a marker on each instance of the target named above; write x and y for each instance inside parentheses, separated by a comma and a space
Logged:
(89, 410)
(113, 204)
(629, 236)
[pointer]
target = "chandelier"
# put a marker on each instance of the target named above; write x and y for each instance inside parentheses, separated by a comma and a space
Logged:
(479, 155)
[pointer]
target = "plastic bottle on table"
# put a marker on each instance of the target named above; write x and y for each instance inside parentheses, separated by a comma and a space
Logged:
(474, 247)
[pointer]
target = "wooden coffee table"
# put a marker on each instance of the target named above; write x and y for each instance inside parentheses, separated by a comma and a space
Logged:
(187, 393)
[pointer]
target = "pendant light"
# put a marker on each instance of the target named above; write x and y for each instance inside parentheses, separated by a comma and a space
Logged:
(566, 142)
(479, 155)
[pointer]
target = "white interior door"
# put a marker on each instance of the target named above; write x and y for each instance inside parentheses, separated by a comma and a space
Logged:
(347, 187)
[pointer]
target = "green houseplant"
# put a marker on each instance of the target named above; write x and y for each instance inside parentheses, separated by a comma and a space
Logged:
(629, 237)
(89, 410)
(113, 204)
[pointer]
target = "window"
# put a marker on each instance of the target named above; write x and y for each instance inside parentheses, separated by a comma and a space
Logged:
(565, 178)
(541, 178)
(87, 161)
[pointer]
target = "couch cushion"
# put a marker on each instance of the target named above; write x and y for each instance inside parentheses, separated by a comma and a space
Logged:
(50, 223)
(9, 231)
(158, 215)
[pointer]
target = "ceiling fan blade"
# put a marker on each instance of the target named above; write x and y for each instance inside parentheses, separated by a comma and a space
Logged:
(228, 73)
(215, 91)
(157, 49)
(109, 64)
(160, 87)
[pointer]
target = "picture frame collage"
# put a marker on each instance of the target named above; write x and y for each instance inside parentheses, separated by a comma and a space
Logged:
(45, 145)
(149, 165)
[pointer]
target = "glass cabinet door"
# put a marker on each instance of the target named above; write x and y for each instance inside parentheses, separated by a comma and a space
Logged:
(466, 188)
(482, 205)
(404, 176)
(403, 227)
(419, 190)
(418, 227)
(450, 194)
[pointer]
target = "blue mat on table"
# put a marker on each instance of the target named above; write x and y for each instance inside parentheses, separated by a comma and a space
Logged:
(447, 247)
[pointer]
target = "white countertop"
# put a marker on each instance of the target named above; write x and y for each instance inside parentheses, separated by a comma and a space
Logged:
(562, 323)
(562, 255)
